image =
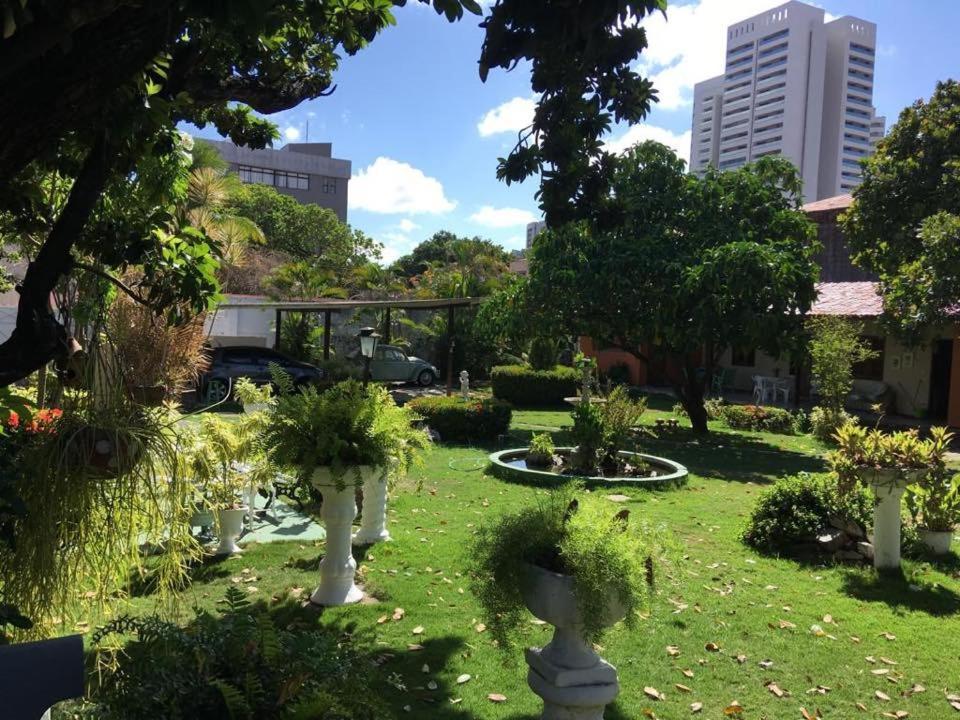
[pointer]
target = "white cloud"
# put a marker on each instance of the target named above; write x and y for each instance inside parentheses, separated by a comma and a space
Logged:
(388, 186)
(690, 45)
(511, 116)
(490, 216)
(680, 142)
(394, 245)
(407, 225)
(291, 133)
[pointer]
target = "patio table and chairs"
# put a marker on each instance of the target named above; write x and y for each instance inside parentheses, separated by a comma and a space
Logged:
(766, 389)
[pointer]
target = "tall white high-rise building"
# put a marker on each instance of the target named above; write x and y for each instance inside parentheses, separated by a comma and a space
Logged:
(793, 86)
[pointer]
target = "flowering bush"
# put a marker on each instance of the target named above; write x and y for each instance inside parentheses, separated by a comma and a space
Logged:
(758, 417)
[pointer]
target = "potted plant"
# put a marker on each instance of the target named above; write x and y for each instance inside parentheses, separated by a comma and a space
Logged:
(887, 464)
(253, 397)
(220, 462)
(575, 564)
(935, 500)
(541, 450)
(346, 437)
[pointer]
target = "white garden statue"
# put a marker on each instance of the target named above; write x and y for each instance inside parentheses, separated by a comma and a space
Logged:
(464, 385)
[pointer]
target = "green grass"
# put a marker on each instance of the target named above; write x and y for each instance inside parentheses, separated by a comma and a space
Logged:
(723, 594)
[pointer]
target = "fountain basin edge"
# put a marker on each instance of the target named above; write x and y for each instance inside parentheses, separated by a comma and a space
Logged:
(672, 474)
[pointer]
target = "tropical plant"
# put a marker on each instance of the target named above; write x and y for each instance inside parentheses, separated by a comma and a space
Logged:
(151, 351)
(248, 392)
(342, 428)
(224, 457)
(240, 664)
(835, 347)
(573, 535)
(601, 431)
(102, 479)
(794, 510)
(705, 263)
(935, 500)
(905, 219)
(541, 450)
(860, 449)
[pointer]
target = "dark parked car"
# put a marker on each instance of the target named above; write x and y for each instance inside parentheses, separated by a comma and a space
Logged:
(229, 363)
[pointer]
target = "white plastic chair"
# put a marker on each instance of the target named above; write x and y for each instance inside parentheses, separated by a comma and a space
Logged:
(759, 391)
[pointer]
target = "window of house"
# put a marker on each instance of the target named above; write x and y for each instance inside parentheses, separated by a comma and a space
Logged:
(871, 369)
(330, 186)
(743, 357)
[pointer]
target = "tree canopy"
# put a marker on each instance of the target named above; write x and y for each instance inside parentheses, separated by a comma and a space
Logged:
(904, 224)
(698, 264)
(92, 91)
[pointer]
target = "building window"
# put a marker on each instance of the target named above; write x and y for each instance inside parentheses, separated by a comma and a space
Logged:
(277, 178)
(871, 369)
(743, 357)
(329, 185)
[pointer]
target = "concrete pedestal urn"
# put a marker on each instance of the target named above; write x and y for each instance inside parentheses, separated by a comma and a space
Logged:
(230, 525)
(373, 522)
(888, 485)
(938, 541)
(338, 568)
(574, 682)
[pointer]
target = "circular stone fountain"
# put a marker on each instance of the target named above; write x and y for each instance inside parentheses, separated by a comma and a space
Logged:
(512, 465)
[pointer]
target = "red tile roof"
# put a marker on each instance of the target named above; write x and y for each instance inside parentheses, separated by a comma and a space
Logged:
(850, 299)
(837, 202)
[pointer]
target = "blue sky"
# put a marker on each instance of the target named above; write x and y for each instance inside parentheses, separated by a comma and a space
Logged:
(424, 133)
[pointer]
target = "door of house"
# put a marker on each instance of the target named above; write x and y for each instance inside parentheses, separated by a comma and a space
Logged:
(940, 367)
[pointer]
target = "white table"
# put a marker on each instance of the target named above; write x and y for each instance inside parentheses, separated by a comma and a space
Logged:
(766, 386)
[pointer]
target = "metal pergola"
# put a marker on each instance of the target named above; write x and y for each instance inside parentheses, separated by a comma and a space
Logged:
(328, 307)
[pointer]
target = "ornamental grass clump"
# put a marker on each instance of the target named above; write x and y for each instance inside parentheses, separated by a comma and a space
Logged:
(571, 534)
(342, 428)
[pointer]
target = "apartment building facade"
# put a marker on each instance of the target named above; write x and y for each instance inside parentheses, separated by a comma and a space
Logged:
(793, 86)
(307, 172)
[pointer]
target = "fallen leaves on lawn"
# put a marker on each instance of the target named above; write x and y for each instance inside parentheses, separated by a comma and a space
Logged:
(807, 716)
(682, 688)
(652, 692)
(465, 678)
(398, 613)
(734, 708)
(776, 690)
(915, 689)
(887, 660)
(696, 707)
(687, 673)
(711, 647)
(418, 630)
(898, 715)
(766, 664)
(480, 627)
(741, 659)
(414, 647)
(673, 650)
(888, 636)
(496, 698)
(880, 695)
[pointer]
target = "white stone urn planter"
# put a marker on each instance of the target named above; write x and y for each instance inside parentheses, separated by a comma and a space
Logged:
(888, 485)
(373, 522)
(938, 541)
(338, 568)
(574, 682)
(230, 525)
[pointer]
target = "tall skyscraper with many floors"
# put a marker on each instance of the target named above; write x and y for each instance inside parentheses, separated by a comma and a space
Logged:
(793, 86)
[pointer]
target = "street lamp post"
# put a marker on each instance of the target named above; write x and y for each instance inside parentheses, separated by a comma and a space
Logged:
(368, 345)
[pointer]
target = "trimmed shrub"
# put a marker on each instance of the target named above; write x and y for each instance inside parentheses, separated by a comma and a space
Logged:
(824, 422)
(521, 385)
(458, 420)
(794, 509)
(758, 417)
(542, 354)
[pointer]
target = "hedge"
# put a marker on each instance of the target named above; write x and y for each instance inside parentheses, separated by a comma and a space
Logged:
(457, 420)
(521, 385)
(758, 417)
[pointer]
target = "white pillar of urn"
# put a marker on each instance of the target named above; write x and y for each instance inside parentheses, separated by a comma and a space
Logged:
(888, 485)
(338, 568)
(567, 674)
(373, 522)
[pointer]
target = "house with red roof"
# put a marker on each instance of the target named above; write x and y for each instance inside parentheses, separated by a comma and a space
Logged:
(921, 381)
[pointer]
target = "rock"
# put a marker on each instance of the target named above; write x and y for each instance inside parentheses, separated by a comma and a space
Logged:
(865, 549)
(848, 526)
(847, 556)
(831, 539)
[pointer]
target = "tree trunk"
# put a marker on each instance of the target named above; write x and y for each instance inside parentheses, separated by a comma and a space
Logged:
(690, 392)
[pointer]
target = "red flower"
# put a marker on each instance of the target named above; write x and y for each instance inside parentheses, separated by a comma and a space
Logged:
(14, 420)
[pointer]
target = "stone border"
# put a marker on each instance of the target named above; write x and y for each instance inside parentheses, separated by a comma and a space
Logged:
(675, 477)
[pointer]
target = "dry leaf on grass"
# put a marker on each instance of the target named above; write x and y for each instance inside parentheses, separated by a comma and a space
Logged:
(496, 698)
(398, 614)
(682, 688)
(673, 650)
(734, 708)
(880, 695)
(711, 647)
(652, 692)
(687, 673)
(418, 630)
(463, 679)
(776, 690)
(696, 707)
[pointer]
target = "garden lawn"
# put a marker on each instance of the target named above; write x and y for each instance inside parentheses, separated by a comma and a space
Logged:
(731, 625)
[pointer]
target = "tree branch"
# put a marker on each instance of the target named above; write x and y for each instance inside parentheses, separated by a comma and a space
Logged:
(133, 294)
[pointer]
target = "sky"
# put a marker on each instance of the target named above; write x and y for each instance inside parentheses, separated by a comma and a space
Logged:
(424, 134)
